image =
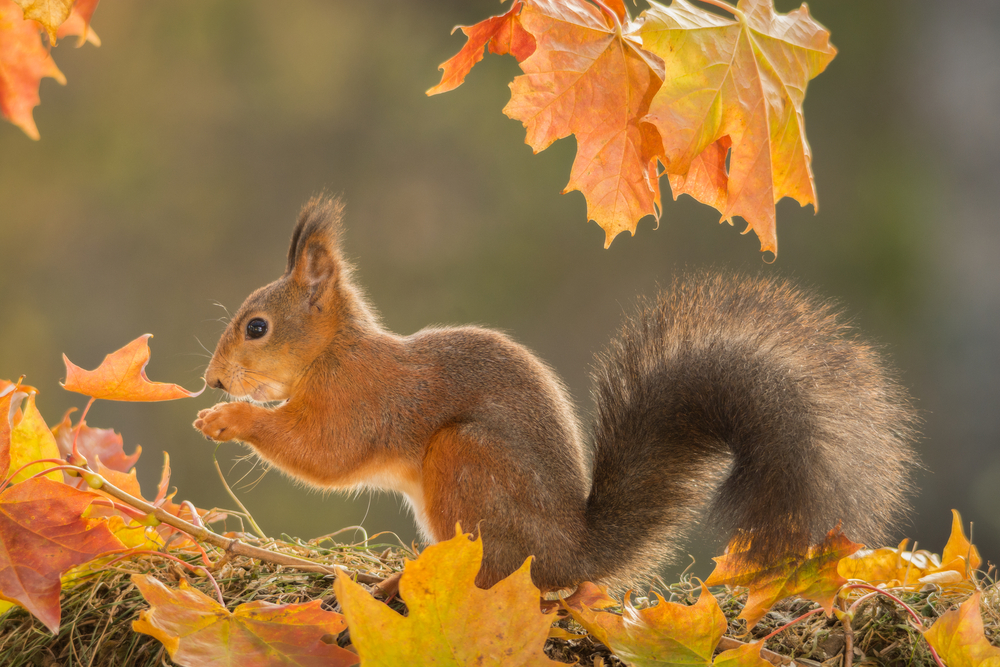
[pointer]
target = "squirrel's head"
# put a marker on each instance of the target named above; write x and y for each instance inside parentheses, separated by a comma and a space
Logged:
(283, 327)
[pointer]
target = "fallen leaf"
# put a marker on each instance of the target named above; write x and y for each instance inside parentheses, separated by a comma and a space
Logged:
(813, 576)
(196, 630)
(24, 62)
(589, 78)
(959, 553)
(94, 444)
(959, 639)
(502, 34)
(743, 79)
(42, 535)
(450, 620)
(666, 634)
(122, 377)
(31, 440)
(747, 655)
(894, 567)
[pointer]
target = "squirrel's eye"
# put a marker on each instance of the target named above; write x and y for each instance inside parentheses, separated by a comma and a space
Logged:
(256, 328)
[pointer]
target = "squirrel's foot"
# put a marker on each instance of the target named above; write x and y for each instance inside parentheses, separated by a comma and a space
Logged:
(223, 421)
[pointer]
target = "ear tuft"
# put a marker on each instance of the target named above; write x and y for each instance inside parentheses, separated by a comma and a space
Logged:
(320, 221)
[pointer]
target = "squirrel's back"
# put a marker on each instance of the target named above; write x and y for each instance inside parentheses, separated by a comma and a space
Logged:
(766, 377)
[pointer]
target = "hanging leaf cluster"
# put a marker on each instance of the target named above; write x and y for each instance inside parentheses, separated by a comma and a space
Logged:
(714, 101)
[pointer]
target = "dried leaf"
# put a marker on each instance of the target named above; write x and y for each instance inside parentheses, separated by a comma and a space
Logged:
(747, 655)
(49, 13)
(122, 377)
(24, 62)
(667, 634)
(42, 535)
(450, 621)
(895, 567)
(503, 34)
(743, 79)
(94, 444)
(959, 639)
(813, 577)
(31, 440)
(587, 79)
(196, 630)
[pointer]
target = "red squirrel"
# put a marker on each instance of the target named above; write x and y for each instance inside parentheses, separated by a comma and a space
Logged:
(745, 397)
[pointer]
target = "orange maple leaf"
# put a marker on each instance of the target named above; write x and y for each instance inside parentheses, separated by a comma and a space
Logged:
(503, 34)
(78, 23)
(959, 638)
(450, 620)
(589, 78)
(743, 79)
(42, 535)
(813, 576)
(122, 377)
(94, 444)
(668, 633)
(196, 630)
(24, 62)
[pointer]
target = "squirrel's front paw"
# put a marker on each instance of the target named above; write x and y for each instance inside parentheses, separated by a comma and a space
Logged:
(224, 421)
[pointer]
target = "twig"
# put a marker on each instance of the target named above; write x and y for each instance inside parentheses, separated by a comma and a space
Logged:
(229, 545)
(253, 524)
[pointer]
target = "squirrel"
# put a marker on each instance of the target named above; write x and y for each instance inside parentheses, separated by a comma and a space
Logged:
(744, 396)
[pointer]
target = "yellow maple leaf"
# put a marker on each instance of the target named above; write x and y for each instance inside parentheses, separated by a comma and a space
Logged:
(736, 82)
(450, 621)
(813, 576)
(668, 633)
(959, 638)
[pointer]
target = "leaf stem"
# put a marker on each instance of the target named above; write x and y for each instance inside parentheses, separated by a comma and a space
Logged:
(613, 15)
(75, 456)
(721, 4)
(7, 481)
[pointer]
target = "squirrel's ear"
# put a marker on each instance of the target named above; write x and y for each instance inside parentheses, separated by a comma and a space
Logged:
(314, 254)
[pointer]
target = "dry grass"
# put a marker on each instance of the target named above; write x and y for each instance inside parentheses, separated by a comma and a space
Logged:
(97, 613)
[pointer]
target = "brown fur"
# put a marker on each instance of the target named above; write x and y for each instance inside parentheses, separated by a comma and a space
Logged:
(743, 394)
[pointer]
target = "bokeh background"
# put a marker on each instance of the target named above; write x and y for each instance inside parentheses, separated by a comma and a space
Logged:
(173, 164)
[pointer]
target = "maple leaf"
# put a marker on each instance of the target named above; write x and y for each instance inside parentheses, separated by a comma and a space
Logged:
(450, 620)
(589, 78)
(94, 444)
(502, 34)
(24, 62)
(747, 655)
(959, 638)
(49, 13)
(893, 566)
(42, 535)
(31, 440)
(5, 429)
(666, 634)
(78, 23)
(196, 630)
(743, 79)
(959, 554)
(813, 577)
(122, 377)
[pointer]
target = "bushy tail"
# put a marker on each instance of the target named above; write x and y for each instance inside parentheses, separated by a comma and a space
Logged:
(753, 399)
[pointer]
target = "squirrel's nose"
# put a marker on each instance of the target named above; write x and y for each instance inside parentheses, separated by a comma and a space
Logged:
(218, 384)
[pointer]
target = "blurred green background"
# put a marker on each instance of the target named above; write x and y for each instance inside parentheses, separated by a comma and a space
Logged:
(173, 164)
